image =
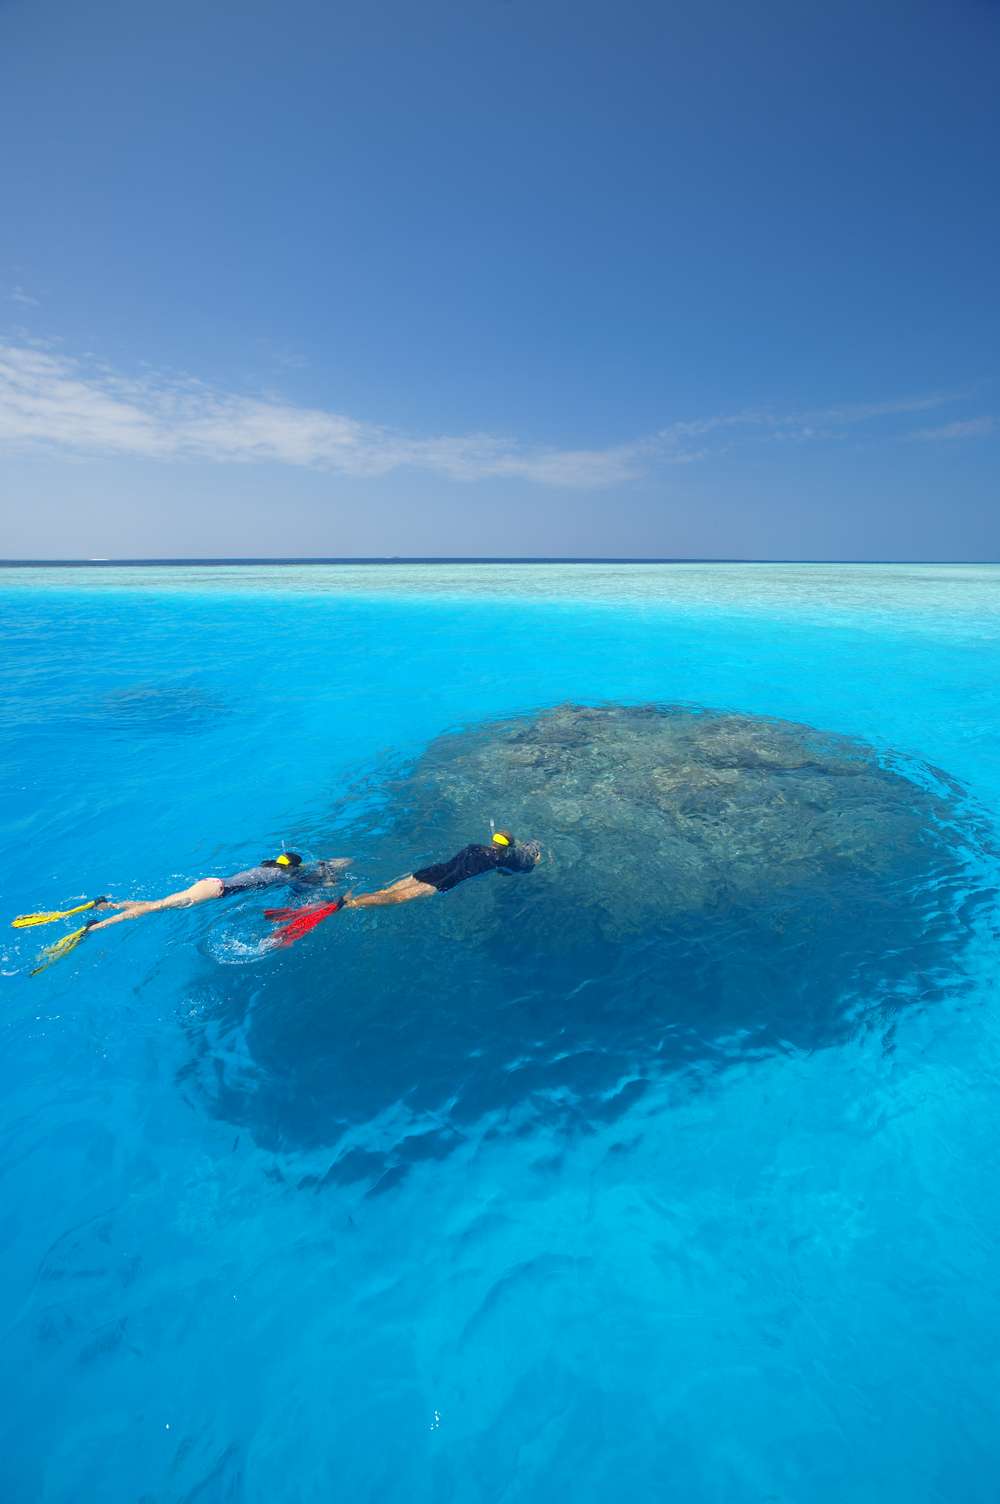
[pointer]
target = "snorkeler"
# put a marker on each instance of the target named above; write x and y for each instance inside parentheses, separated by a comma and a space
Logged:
(288, 868)
(503, 854)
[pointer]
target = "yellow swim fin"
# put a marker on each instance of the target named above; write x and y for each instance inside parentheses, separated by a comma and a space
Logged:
(61, 948)
(25, 921)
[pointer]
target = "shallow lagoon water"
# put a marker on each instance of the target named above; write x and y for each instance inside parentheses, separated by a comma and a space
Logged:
(371, 1219)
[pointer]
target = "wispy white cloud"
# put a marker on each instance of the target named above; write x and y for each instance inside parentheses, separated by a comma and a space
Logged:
(47, 399)
(18, 295)
(83, 406)
(967, 428)
(863, 412)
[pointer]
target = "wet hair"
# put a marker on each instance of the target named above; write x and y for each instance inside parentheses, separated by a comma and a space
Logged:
(292, 859)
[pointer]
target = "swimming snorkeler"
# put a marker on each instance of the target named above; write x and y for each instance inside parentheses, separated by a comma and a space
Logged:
(288, 868)
(503, 854)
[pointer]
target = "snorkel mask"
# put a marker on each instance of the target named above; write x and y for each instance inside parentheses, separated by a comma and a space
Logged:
(504, 840)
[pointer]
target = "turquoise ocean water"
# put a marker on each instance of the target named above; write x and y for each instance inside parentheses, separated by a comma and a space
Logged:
(279, 1228)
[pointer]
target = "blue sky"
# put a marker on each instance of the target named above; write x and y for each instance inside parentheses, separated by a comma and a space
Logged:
(511, 278)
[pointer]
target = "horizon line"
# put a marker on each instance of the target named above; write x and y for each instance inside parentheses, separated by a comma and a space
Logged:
(389, 559)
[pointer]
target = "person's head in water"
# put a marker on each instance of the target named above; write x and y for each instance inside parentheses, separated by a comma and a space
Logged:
(504, 841)
(289, 860)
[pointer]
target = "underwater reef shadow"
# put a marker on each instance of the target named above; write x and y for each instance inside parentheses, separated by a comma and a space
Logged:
(156, 708)
(716, 888)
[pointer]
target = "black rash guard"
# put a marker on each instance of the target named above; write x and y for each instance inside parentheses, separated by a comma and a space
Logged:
(474, 860)
(271, 875)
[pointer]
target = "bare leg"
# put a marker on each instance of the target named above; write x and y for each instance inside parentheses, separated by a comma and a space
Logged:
(401, 892)
(199, 892)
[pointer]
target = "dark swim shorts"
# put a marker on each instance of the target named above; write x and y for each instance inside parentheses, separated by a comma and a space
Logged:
(472, 861)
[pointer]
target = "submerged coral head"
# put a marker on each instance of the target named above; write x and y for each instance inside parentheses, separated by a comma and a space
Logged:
(655, 814)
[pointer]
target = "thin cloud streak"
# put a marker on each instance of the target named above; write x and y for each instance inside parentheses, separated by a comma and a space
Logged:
(968, 428)
(48, 400)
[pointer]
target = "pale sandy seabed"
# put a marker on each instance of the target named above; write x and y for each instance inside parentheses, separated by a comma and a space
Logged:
(856, 594)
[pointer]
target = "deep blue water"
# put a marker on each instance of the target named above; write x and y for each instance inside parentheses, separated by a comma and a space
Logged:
(366, 1220)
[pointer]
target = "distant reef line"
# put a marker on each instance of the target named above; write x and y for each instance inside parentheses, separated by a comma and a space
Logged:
(388, 559)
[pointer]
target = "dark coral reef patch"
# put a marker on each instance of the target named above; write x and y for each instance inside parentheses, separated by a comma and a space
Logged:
(655, 813)
(715, 887)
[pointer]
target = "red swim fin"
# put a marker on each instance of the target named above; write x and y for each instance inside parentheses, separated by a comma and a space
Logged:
(302, 921)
